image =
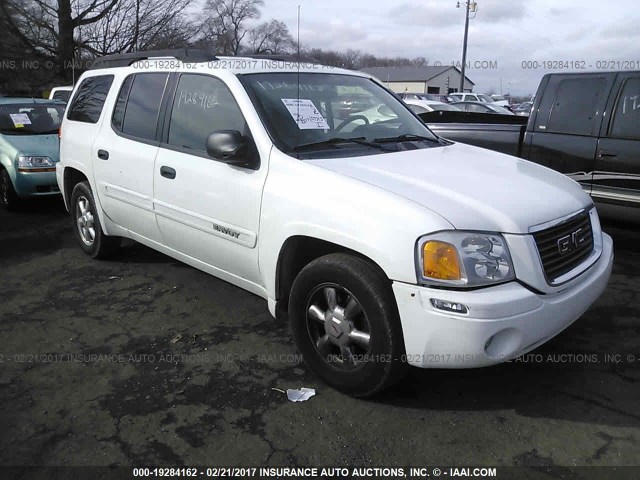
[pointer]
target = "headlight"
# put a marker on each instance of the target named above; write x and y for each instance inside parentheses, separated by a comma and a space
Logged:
(28, 163)
(465, 259)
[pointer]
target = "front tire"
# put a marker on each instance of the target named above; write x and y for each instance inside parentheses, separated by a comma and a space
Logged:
(345, 322)
(8, 194)
(86, 224)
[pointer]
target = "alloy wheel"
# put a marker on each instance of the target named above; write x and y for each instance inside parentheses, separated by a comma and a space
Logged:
(84, 221)
(338, 327)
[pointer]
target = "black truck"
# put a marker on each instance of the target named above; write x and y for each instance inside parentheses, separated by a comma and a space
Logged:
(585, 125)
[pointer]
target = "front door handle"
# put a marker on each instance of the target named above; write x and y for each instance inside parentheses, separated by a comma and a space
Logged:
(167, 172)
(604, 154)
(103, 155)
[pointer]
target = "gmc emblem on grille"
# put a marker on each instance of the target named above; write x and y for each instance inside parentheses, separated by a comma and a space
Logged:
(570, 242)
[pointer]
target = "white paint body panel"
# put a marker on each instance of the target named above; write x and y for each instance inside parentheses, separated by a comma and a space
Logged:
(233, 223)
(473, 188)
(523, 319)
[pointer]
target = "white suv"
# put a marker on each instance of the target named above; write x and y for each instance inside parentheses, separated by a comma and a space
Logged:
(386, 244)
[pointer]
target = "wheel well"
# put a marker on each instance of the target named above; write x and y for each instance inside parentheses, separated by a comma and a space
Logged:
(296, 253)
(4, 169)
(71, 178)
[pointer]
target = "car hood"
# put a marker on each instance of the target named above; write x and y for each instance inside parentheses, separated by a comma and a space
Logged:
(473, 188)
(44, 145)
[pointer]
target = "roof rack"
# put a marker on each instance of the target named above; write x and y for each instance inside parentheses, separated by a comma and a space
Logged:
(125, 59)
(285, 57)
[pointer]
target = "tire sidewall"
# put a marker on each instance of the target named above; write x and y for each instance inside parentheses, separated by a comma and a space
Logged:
(12, 197)
(84, 189)
(385, 351)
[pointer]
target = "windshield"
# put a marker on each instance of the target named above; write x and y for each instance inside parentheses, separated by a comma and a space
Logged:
(313, 117)
(30, 118)
(485, 98)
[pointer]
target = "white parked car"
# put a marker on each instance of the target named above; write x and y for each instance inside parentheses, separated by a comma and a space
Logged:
(61, 93)
(424, 106)
(470, 97)
(500, 100)
(386, 244)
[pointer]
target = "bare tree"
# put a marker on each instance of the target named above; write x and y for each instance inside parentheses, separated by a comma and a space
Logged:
(271, 37)
(352, 59)
(11, 45)
(225, 23)
(138, 25)
(326, 57)
(47, 26)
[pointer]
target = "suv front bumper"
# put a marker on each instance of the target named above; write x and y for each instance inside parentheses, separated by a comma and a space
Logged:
(502, 323)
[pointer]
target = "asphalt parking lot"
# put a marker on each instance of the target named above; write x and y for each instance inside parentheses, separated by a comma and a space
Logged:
(143, 360)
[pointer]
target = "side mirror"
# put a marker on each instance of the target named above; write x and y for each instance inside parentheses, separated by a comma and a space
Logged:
(230, 146)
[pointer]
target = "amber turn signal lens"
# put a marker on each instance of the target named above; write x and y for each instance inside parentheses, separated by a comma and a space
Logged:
(440, 261)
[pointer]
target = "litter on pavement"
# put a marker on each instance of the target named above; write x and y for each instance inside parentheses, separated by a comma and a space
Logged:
(301, 395)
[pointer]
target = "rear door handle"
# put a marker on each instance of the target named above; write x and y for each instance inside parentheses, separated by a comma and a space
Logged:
(604, 154)
(103, 155)
(167, 172)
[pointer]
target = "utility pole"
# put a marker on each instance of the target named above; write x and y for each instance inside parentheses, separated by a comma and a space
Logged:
(469, 5)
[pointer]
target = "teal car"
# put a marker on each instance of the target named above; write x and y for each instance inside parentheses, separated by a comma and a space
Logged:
(29, 148)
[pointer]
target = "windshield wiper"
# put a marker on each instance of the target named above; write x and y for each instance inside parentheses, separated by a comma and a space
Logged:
(336, 141)
(407, 137)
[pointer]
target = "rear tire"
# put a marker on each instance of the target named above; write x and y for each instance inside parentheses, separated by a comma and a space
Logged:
(86, 224)
(345, 322)
(8, 195)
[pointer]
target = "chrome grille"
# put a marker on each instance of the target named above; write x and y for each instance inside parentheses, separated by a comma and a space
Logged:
(565, 246)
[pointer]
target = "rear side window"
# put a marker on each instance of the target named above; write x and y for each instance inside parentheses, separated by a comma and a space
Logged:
(89, 99)
(140, 116)
(575, 107)
(121, 103)
(626, 119)
(201, 105)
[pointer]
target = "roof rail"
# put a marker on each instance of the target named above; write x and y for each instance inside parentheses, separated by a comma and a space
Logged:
(285, 57)
(125, 59)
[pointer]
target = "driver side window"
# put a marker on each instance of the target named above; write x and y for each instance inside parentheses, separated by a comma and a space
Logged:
(202, 104)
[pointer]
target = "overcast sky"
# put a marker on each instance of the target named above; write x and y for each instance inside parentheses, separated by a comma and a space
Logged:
(504, 31)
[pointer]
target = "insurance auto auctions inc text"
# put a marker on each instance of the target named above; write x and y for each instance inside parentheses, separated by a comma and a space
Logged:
(376, 472)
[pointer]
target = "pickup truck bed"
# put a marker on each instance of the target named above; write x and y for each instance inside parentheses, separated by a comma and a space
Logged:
(585, 125)
(502, 133)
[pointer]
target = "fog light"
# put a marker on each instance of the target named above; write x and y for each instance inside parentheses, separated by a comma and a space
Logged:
(449, 306)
